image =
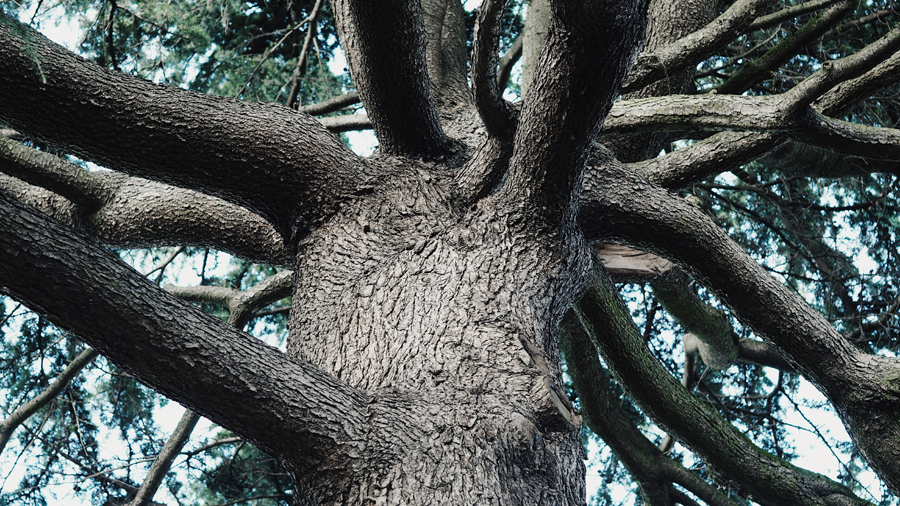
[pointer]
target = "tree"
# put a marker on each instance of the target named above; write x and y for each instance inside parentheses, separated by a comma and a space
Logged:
(432, 283)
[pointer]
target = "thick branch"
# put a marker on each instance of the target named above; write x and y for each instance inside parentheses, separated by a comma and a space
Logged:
(773, 114)
(695, 47)
(130, 212)
(580, 70)
(845, 94)
(708, 331)
(385, 47)
(844, 69)
(603, 414)
(263, 156)
(496, 113)
(860, 386)
(716, 154)
(286, 407)
(732, 455)
(446, 51)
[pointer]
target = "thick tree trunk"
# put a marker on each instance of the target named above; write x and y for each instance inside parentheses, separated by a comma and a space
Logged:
(448, 318)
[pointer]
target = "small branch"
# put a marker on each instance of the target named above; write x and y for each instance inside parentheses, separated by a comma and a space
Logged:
(347, 123)
(110, 40)
(275, 46)
(850, 67)
(161, 268)
(332, 104)
(788, 13)
(753, 72)
(842, 96)
(719, 153)
(241, 305)
(300, 70)
(858, 335)
(23, 412)
(508, 61)
(761, 353)
(131, 212)
(214, 444)
(871, 18)
(164, 460)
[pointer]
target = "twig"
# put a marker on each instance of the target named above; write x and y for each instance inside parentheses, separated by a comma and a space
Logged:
(268, 53)
(300, 70)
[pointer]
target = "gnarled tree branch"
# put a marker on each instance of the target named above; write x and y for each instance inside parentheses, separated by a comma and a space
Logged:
(265, 157)
(230, 377)
(130, 212)
(693, 48)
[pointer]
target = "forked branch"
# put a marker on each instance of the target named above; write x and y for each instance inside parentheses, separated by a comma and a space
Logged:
(230, 377)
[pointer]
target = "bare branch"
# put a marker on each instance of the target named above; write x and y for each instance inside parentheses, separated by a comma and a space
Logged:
(508, 61)
(23, 412)
(346, 123)
(199, 361)
(688, 419)
(240, 304)
(332, 104)
(303, 57)
(163, 461)
(693, 48)
(648, 217)
(850, 67)
(385, 48)
(753, 72)
(788, 13)
(845, 94)
(714, 155)
(707, 330)
(130, 212)
(186, 139)
(603, 414)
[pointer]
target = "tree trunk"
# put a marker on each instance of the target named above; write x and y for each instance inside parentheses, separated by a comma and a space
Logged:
(448, 318)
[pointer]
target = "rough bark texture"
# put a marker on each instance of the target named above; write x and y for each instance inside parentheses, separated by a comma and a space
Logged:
(429, 281)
